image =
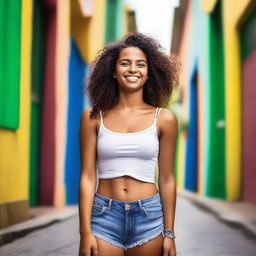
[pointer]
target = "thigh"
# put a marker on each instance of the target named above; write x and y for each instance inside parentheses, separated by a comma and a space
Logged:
(153, 247)
(107, 249)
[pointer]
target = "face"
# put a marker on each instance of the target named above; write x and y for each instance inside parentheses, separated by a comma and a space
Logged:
(131, 68)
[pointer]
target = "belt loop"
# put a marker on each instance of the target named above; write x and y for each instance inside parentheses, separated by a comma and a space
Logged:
(140, 205)
(110, 203)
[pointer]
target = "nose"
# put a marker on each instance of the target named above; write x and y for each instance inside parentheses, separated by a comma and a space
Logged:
(133, 68)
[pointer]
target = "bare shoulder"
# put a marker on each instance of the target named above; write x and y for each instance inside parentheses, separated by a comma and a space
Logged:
(168, 121)
(86, 120)
(86, 112)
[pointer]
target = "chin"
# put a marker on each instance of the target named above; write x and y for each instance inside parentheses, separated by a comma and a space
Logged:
(132, 88)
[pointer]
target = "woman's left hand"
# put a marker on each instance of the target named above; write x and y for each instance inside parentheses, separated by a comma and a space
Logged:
(169, 248)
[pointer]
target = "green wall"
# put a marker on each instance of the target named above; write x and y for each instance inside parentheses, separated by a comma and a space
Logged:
(216, 171)
(10, 35)
(114, 20)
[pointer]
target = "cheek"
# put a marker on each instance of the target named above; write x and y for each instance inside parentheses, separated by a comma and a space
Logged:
(120, 70)
(145, 73)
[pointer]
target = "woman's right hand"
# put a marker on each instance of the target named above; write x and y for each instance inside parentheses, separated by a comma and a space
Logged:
(88, 245)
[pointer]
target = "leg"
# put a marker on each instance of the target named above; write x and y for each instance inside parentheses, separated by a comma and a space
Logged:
(153, 247)
(107, 249)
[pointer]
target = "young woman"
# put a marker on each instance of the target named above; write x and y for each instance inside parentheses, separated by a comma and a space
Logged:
(122, 136)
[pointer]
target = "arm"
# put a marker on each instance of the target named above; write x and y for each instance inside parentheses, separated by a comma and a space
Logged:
(87, 139)
(166, 180)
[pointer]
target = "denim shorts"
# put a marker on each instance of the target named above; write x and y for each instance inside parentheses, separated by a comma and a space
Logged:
(127, 223)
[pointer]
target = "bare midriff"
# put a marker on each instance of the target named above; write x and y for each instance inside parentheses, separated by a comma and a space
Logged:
(126, 188)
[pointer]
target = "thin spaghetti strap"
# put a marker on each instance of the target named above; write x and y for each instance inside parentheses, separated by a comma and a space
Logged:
(101, 118)
(158, 111)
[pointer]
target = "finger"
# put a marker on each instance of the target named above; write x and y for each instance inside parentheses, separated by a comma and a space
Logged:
(95, 251)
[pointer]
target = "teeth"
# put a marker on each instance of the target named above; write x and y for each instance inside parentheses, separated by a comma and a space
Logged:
(132, 78)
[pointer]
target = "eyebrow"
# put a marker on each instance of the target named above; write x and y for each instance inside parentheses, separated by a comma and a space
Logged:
(130, 60)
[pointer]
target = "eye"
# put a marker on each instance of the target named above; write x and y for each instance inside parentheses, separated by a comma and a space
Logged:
(141, 65)
(124, 63)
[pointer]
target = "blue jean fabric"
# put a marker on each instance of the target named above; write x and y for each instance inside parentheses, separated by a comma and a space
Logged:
(127, 224)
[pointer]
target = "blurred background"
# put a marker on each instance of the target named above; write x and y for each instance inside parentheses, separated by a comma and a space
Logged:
(46, 50)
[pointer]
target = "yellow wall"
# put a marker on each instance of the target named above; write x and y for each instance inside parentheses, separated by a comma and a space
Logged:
(233, 11)
(14, 150)
(208, 5)
(88, 30)
(201, 136)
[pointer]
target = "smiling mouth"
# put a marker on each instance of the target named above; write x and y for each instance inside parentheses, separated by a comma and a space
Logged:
(132, 78)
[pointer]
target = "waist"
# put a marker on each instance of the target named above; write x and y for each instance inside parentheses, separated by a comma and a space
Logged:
(132, 203)
(126, 189)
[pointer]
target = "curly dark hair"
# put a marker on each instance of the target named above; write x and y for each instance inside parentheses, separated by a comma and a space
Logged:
(102, 88)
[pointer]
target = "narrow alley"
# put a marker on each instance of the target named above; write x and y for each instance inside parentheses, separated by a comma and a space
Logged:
(199, 233)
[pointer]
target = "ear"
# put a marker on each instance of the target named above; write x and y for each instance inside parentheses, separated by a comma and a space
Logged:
(114, 75)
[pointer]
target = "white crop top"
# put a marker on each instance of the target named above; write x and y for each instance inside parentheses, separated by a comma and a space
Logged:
(133, 154)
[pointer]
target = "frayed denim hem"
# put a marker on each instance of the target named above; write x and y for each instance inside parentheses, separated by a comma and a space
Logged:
(108, 240)
(145, 240)
(138, 243)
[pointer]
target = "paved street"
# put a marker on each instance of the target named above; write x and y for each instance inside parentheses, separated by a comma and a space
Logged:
(198, 234)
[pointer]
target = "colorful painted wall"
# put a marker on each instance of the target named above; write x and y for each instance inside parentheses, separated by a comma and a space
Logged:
(215, 41)
(46, 48)
(15, 47)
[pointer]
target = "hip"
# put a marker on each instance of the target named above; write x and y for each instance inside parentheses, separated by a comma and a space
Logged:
(127, 224)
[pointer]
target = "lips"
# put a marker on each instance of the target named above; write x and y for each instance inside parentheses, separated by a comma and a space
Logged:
(132, 78)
